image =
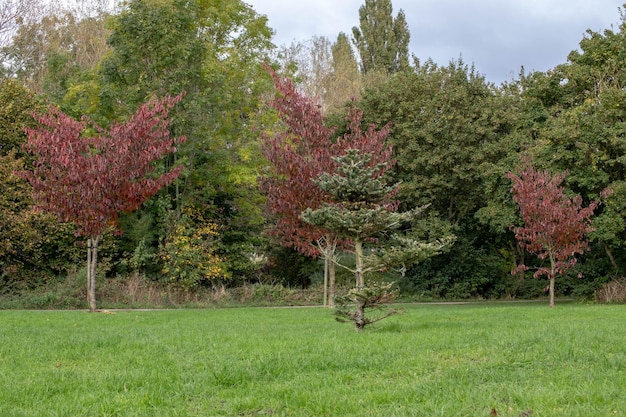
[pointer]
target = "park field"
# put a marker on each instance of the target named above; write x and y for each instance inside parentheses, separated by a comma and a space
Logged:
(491, 359)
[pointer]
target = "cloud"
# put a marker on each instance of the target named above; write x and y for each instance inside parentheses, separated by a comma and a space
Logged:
(498, 36)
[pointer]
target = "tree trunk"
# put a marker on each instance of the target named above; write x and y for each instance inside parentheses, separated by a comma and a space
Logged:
(611, 258)
(552, 292)
(359, 316)
(326, 267)
(92, 261)
(358, 251)
(520, 255)
(331, 282)
(552, 276)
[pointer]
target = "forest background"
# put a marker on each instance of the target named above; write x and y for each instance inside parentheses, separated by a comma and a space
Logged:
(455, 136)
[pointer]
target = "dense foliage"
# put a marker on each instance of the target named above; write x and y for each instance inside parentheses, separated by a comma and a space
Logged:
(454, 136)
(87, 175)
(555, 226)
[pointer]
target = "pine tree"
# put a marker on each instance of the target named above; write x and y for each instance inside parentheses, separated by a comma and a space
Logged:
(362, 210)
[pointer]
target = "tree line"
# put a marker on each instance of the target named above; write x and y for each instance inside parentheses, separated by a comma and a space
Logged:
(452, 137)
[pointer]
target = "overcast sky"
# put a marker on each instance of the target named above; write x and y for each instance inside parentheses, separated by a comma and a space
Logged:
(497, 36)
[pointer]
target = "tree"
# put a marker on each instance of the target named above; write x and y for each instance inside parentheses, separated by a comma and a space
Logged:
(581, 129)
(449, 127)
(298, 153)
(381, 39)
(309, 65)
(34, 246)
(16, 105)
(12, 14)
(213, 51)
(361, 210)
(344, 82)
(323, 72)
(555, 226)
(88, 175)
(51, 53)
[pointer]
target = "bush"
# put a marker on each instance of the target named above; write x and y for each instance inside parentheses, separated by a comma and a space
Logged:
(612, 292)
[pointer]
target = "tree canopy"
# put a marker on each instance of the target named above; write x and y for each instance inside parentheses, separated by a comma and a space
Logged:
(381, 39)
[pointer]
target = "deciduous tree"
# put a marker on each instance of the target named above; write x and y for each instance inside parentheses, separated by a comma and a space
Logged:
(555, 225)
(298, 153)
(88, 175)
(212, 50)
(381, 39)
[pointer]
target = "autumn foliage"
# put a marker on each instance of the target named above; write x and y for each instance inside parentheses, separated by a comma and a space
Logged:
(300, 153)
(555, 225)
(87, 175)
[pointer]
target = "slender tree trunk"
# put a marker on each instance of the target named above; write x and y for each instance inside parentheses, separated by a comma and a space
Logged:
(359, 316)
(520, 255)
(552, 276)
(552, 292)
(326, 267)
(89, 272)
(331, 282)
(92, 261)
(327, 246)
(611, 257)
(358, 250)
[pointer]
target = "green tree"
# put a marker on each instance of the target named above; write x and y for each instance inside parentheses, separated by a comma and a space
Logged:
(578, 126)
(361, 211)
(213, 51)
(443, 119)
(33, 245)
(13, 13)
(449, 129)
(344, 82)
(381, 39)
(16, 105)
(309, 65)
(51, 53)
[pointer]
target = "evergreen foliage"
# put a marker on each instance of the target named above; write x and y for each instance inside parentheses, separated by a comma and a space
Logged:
(362, 210)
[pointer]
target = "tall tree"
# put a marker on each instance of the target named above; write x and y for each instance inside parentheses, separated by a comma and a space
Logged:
(381, 39)
(579, 113)
(299, 152)
(212, 50)
(16, 106)
(309, 65)
(90, 180)
(12, 14)
(555, 225)
(56, 50)
(344, 82)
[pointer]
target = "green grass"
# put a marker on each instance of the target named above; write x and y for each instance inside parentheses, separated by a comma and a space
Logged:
(436, 360)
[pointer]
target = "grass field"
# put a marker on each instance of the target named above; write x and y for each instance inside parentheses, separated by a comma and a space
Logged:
(435, 360)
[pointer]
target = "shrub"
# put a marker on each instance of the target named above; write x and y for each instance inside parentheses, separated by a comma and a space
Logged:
(612, 292)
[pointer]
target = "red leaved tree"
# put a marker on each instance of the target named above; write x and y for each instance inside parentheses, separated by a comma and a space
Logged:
(298, 155)
(554, 224)
(87, 175)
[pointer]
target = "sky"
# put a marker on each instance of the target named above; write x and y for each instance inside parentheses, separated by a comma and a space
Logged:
(497, 36)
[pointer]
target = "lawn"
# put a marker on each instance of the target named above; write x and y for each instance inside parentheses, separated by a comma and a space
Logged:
(435, 360)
